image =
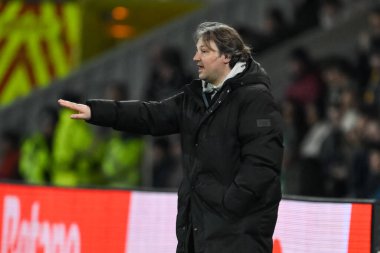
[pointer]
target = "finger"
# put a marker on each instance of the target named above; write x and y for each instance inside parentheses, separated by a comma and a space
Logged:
(77, 116)
(64, 103)
(68, 104)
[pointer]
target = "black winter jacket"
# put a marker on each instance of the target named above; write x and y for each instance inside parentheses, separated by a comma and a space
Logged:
(232, 155)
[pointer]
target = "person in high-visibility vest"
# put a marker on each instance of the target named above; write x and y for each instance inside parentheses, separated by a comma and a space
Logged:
(36, 150)
(71, 150)
(122, 160)
(123, 153)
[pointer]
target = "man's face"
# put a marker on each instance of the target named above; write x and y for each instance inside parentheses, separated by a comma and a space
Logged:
(212, 66)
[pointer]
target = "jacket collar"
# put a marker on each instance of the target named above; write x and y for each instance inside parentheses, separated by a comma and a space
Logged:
(252, 75)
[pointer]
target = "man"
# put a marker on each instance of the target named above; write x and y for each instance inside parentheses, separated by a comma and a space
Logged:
(231, 145)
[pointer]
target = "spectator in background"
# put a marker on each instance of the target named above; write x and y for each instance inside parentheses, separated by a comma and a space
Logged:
(349, 110)
(331, 13)
(123, 152)
(276, 28)
(305, 95)
(368, 40)
(121, 165)
(71, 144)
(36, 150)
(373, 184)
(370, 37)
(334, 156)
(368, 131)
(311, 174)
(9, 155)
(305, 87)
(337, 76)
(167, 75)
(341, 91)
(371, 95)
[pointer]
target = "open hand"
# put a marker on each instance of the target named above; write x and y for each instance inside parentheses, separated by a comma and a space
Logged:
(83, 111)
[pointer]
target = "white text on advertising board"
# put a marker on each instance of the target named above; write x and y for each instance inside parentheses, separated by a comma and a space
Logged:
(30, 234)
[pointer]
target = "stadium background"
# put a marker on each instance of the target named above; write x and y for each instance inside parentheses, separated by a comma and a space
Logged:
(324, 61)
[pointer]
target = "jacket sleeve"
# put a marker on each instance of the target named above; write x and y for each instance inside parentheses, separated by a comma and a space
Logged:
(154, 118)
(260, 135)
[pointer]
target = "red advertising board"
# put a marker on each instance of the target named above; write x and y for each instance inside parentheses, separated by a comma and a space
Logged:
(41, 219)
(59, 220)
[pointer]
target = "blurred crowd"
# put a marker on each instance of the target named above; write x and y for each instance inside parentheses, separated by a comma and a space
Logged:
(331, 113)
(66, 152)
(330, 109)
(304, 16)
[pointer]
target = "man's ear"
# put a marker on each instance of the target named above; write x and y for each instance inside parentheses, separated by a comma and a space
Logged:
(226, 58)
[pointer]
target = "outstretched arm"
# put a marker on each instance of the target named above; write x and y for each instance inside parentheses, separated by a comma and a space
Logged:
(154, 118)
(83, 111)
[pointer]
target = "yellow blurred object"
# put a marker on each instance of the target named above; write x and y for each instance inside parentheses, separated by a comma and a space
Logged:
(39, 42)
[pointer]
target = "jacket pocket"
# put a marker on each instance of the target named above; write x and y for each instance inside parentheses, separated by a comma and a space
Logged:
(212, 192)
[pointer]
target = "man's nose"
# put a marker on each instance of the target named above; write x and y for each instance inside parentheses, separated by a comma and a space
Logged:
(196, 57)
